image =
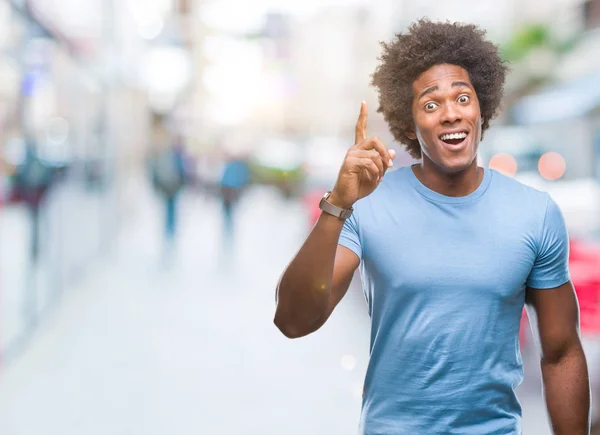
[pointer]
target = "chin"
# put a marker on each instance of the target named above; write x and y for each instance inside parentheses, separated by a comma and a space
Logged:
(456, 164)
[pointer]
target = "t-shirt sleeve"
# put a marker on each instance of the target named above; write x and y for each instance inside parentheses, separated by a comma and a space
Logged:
(551, 266)
(349, 237)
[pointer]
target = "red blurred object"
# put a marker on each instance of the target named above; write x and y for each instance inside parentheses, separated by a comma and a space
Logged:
(523, 330)
(584, 262)
(311, 202)
(584, 251)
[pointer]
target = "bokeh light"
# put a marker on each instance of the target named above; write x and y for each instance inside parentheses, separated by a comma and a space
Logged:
(348, 362)
(552, 166)
(151, 29)
(504, 163)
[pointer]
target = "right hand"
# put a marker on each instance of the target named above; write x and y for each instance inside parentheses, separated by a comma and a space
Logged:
(363, 168)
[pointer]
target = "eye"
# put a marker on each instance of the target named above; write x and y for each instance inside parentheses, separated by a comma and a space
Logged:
(430, 106)
(463, 99)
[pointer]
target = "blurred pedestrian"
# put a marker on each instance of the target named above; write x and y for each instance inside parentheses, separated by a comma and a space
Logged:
(33, 179)
(168, 178)
(235, 178)
(449, 254)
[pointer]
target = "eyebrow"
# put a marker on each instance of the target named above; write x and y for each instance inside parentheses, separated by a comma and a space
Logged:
(436, 88)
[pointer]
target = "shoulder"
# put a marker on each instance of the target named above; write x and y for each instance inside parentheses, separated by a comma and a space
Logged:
(523, 203)
(517, 193)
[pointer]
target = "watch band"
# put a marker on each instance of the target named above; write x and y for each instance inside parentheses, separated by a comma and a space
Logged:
(329, 208)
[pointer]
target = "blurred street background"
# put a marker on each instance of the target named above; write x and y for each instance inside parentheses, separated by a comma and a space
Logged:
(161, 162)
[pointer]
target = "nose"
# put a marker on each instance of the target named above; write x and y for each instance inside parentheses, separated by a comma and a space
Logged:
(451, 114)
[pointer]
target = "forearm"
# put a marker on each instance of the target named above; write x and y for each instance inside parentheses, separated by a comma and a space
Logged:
(567, 392)
(304, 291)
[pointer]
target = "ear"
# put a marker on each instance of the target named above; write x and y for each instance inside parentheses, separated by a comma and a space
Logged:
(411, 134)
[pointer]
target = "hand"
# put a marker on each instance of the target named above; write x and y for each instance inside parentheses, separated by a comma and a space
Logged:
(363, 168)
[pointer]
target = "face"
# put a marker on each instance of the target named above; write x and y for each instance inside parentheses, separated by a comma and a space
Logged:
(447, 117)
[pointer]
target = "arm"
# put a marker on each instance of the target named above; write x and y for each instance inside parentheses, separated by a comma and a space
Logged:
(318, 277)
(315, 281)
(564, 367)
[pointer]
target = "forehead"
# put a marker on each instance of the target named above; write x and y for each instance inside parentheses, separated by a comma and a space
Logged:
(442, 76)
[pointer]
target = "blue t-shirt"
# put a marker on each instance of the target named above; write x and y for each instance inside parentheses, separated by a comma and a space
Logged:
(444, 279)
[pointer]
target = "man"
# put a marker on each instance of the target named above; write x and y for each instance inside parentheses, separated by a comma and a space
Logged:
(449, 254)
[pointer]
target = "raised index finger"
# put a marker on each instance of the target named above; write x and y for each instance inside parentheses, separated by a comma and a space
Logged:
(361, 125)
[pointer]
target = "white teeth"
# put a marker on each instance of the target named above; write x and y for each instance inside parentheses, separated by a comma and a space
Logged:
(453, 136)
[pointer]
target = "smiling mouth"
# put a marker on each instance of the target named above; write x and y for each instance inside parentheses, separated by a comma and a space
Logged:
(454, 138)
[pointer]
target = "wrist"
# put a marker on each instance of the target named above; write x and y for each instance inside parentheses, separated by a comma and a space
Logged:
(334, 199)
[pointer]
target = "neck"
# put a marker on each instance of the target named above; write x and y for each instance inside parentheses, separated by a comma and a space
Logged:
(456, 184)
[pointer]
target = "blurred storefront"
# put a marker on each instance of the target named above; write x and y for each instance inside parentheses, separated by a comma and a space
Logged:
(67, 108)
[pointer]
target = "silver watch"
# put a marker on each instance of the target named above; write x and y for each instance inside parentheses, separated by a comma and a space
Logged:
(331, 209)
